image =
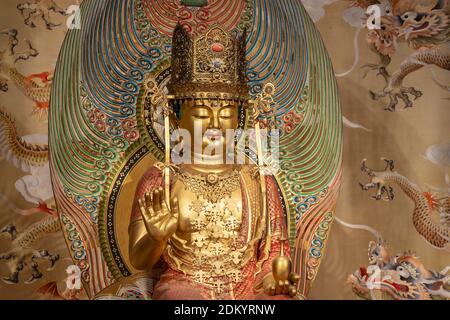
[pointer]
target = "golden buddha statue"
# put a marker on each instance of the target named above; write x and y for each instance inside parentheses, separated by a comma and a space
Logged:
(217, 226)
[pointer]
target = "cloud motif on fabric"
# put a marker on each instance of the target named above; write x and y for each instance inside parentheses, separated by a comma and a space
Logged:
(355, 17)
(439, 154)
(36, 187)
(316, 8)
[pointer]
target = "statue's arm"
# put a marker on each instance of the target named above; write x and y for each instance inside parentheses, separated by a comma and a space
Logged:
(144, 250)
(278, 230)
(266, 275)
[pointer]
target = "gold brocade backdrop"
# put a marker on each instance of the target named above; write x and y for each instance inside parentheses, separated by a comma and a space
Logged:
(370, 132)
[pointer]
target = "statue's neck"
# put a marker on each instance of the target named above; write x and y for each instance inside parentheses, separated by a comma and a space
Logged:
(203, 168)
(209, 164)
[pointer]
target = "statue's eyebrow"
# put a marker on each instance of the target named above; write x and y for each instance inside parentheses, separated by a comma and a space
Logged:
(227, 106)
(203, 107)
(199, 104)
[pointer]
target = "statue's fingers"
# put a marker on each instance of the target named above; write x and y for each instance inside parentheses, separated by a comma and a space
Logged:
(272, 290)
(294, 278)
(163, 204)
(292, 291)
(162, 197)
(175, 208)
(146, 212)
(286, 286)
(157, 200)
(267, 289)
(142, 208)
(279, 287)
(148, 199)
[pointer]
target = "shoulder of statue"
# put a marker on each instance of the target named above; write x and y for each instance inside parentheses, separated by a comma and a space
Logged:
(152, 176)
(254, 172)
(248, 168)
(156, 172)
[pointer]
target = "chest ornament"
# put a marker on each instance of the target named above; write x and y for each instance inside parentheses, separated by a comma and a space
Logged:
(212, 187)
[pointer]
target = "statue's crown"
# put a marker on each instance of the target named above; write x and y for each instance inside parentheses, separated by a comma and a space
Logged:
(211, 65)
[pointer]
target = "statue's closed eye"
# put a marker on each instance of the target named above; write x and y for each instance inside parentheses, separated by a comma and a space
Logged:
(201, 116)
(200, 113)
(226, 113)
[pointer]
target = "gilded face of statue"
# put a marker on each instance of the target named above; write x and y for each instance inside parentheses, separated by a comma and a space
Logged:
(207, 121)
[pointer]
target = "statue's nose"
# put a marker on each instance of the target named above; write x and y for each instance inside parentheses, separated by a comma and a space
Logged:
(214, 124)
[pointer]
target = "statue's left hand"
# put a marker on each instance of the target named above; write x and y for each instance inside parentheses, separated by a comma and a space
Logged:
(287, 287)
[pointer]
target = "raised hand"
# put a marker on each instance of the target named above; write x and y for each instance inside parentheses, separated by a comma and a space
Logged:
(160, 222)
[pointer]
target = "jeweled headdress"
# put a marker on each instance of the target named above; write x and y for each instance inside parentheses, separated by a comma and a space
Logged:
(211, 65)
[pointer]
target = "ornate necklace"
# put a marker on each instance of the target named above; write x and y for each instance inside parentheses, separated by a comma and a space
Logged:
(211, 186)
(216, 261)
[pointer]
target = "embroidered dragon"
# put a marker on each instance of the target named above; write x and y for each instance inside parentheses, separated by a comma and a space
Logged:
(35, 9)
(399, 277)
(424, 26)
(16, 150)
(72, 291)
(23, 254)
(427, 205)
(36, 87)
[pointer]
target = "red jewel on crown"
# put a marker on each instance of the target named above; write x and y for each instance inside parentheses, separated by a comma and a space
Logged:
(217, 47)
